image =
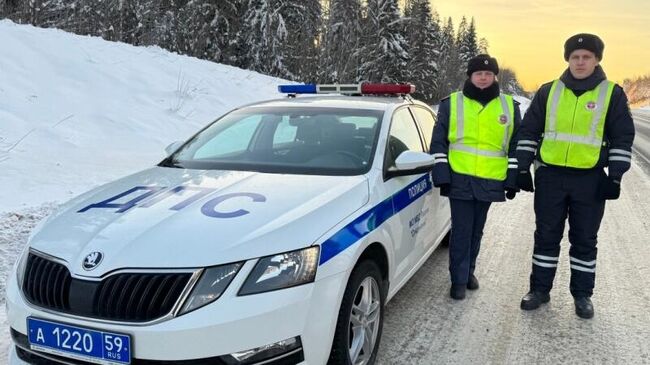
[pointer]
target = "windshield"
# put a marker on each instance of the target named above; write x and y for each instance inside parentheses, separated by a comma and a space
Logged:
(293, 140)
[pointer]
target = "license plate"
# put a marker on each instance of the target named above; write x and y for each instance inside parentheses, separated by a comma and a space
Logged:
(79, 343)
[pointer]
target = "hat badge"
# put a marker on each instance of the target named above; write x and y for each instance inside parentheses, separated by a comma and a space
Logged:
(503, 119)
(486, 62)
(579, 39)
(591, 105)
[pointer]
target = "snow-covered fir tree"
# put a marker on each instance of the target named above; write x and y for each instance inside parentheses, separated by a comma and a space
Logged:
(265, 33)
(301, 51)
(508, 82)
(384, 52)
(448, 62)
(204, 28)
(424, 40)
(339, 55)
(467, 41)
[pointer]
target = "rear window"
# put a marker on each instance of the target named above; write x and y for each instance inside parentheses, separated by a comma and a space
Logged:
(324, 141)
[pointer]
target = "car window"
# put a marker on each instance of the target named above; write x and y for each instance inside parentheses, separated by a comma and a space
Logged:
(234, 139)
(403, 136)
(306, 140)
(426, 120)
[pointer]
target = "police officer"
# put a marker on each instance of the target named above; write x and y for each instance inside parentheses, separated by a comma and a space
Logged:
(576, 126)
(474, 162)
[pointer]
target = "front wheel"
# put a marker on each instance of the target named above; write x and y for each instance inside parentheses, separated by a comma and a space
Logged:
(361, 317)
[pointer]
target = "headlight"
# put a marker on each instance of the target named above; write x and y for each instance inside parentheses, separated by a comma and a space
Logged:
(211, 285)
(282, 271)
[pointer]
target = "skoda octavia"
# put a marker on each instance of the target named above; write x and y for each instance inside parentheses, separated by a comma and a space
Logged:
(275, 235)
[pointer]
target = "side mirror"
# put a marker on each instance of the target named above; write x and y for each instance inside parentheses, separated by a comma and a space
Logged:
(172, 147)
(411, 160)
(411, 163)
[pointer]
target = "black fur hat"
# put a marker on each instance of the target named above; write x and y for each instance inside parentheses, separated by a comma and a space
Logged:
(482, 62)
(590, 42)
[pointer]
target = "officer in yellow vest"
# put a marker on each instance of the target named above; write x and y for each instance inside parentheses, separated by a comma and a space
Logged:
(575, 126)
(475, 164)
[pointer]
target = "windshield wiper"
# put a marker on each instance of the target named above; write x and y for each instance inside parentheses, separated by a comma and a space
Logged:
(170, 162)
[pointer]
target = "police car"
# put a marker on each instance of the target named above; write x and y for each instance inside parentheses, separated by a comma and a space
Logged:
(275, 235)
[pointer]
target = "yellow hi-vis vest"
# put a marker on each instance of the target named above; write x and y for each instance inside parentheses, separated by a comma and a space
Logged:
(573, 134)
(479, 136)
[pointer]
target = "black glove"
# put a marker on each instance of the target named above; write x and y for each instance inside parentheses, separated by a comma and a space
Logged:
(510, 193)
(610, 188)
(444, 189)
(525, 181)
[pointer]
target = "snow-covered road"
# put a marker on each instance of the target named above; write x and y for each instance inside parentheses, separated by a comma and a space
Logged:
(642, 138)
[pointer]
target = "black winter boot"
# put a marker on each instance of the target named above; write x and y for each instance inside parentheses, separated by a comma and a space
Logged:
(584, 308)
(457, 291)
(533, 300)
(472, 284)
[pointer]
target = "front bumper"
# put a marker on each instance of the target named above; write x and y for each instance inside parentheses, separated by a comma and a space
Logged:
(230, 324)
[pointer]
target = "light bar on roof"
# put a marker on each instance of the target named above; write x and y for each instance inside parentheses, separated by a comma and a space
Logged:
(297, 89)
(376, 89)
(339, 89)
(387, 88)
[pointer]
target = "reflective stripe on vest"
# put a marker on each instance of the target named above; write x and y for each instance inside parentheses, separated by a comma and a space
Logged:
(574, 128)
(479, 136)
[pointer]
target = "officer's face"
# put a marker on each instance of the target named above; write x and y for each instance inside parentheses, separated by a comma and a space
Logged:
(482, 79)
(582, 63)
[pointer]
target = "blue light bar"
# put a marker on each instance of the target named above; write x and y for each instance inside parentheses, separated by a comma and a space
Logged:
(297, 89)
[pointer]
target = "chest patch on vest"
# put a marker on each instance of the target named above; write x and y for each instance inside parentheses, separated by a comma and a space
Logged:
(591, 105)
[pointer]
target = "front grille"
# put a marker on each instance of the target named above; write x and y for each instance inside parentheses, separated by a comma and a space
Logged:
(126, 297)
(47, 283)
(139, 297)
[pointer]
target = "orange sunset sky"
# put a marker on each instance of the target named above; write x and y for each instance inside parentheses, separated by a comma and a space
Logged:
(528, 35)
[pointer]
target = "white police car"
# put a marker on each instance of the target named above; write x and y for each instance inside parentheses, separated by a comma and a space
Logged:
(273, 236)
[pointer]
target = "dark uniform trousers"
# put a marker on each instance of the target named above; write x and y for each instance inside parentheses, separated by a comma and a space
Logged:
(559, 194)
(468, 219)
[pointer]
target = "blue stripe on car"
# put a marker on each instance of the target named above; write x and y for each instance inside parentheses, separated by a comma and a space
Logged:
(373, 218)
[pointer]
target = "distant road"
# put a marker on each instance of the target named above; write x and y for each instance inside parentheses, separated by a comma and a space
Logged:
(642, 139)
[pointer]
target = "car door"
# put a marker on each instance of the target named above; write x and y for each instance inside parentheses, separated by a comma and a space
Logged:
(438, 216)
(408, 194)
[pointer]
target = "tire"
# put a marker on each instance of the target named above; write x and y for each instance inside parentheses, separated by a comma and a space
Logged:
(350, 333)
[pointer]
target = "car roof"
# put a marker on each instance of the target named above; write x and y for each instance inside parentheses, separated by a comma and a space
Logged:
(337, 101)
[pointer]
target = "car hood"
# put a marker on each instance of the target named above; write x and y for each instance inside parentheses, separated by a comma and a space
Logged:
(196, 218)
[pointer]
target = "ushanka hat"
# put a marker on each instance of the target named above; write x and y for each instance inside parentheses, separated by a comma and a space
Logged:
(482, 62)
(590, 42)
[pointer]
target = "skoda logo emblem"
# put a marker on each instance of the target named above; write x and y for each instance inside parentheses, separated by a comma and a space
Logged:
(92, 260)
